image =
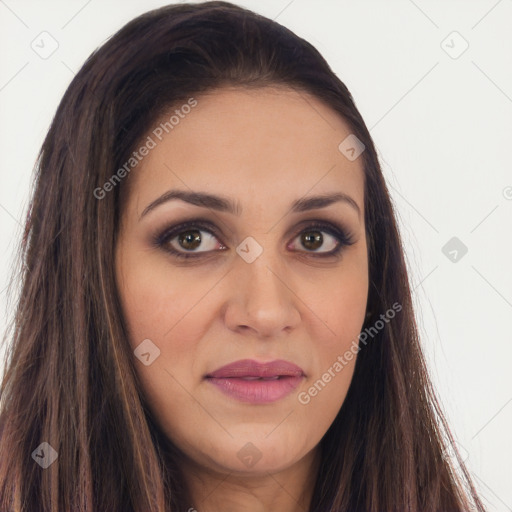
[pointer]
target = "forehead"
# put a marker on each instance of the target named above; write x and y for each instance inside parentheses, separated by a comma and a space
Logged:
(266, 144)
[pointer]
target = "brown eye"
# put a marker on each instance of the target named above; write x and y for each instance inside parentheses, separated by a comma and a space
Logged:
(198, 238)
(313, 240)
(190, 239)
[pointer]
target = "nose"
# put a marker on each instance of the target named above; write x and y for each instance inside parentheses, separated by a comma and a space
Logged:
(261, 299)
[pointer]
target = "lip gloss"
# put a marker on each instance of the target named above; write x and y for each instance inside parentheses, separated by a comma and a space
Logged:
(258, 390)
(254, 382)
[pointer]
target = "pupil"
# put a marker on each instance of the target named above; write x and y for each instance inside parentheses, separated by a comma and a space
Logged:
(309, 241)
(194, 240)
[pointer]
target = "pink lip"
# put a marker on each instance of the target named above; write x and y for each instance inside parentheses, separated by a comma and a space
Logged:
(243, 380)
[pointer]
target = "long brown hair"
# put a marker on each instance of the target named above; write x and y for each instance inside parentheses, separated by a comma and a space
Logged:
(70, 377)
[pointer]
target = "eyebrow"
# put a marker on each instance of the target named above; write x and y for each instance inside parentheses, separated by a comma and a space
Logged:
(224, 204)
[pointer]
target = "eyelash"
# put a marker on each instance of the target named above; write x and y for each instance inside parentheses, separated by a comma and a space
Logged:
(343, 237)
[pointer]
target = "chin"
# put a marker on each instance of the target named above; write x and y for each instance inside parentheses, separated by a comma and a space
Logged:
(241, 456)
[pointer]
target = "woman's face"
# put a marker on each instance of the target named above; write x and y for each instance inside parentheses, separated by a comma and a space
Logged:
(262, 284)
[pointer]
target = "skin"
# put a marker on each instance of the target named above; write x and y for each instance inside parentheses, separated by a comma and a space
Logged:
(263, 148)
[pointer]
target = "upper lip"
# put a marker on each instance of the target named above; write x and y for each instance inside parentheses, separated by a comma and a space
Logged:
(251, 368)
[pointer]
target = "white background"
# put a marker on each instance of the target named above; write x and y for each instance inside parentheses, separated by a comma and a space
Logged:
(443, 128)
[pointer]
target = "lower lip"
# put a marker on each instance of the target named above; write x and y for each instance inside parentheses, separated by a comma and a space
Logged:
(256, 391)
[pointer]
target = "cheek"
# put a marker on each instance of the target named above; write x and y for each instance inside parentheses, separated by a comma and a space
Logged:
(334, 354)
(163, 307)
(156, 302)
(340, 304)
(173, 308)
(340, 309)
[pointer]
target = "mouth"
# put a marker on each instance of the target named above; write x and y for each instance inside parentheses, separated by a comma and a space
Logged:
(254, 382)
